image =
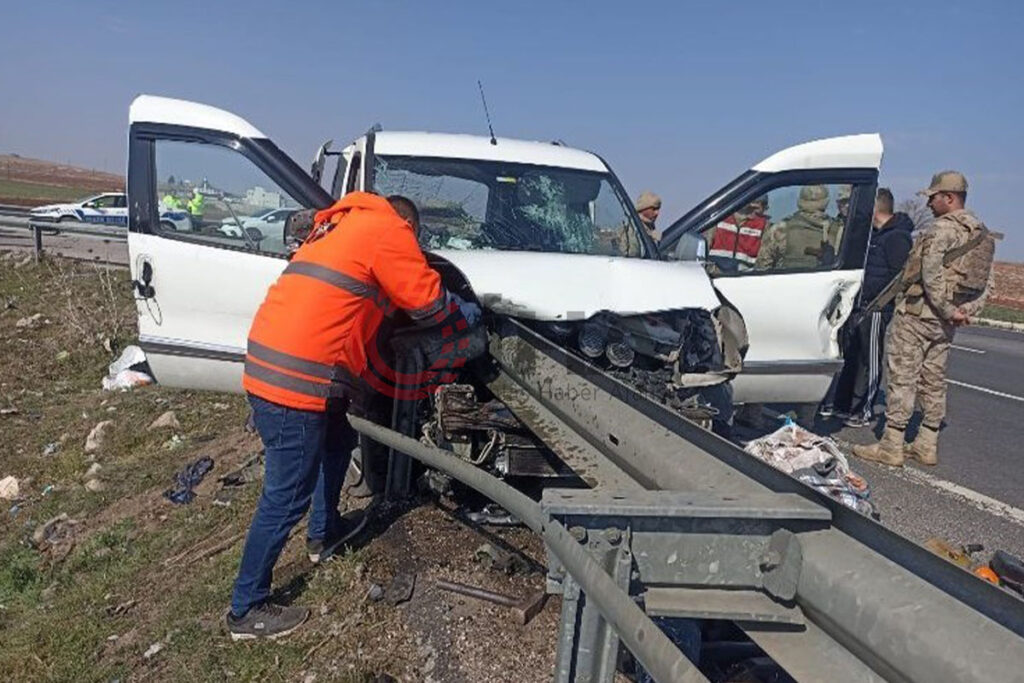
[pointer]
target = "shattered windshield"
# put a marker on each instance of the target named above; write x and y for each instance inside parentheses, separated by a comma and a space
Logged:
(476, 204)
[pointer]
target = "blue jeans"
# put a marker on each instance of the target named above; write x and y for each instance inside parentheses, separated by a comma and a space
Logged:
(306, 455)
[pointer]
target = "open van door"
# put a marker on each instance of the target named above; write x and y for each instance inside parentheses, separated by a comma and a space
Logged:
(198, 290)
(785, 244)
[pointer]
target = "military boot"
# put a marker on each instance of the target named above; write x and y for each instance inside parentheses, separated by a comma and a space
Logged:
(925, 447)
(888, 451)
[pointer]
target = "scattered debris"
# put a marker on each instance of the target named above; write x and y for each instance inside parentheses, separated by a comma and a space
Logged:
(400, 589)
(29, 321)
(816, 461)
(524, 609)
(9, 411)
(122, 608)
(188, 478)
(249, 471)
(174, 442)
(63, 356)
(56, 535)
(152, 650)
(51, 448)
(9, 488)
(96, 437)
(48, 489)
(495, 559)
(128, 371)
(493, 514)
(1009, 569)
(166, 421)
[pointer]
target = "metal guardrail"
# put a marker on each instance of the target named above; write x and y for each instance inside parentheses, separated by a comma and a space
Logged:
(39, 228)
(715, 534)
(645, 640)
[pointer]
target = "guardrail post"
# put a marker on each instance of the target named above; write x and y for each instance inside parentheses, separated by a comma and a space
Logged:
(37, 240)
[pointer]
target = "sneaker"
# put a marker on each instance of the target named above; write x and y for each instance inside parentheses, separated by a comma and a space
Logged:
(267, 620)
(857, 421)
(826, 411)
(320, 549)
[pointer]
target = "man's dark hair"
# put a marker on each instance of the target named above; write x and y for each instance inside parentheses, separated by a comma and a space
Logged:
(405, 208)
(961, 195)
(884, 200)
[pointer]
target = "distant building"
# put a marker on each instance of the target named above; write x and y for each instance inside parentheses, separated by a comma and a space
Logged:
(257, 196)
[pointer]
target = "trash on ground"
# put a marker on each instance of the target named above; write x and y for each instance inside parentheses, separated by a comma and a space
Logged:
(56, 535)
(174, 442)
(816, 461)
(188, 478)
(97, 436)
(29, 321)
(249, 471)
(400, 589)
(152, 650)
(494, 515)
(494, 558)
(1009, 569)
(128, 371)
(51, 448)
(9, 411)
(9, 488)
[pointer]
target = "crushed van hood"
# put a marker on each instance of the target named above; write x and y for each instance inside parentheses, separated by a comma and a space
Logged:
(544, 286)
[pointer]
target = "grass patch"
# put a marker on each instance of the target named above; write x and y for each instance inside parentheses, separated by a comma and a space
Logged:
(42, 192)
(1005, 313)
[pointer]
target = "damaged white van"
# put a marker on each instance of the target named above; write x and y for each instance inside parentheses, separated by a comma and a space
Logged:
(536, 231)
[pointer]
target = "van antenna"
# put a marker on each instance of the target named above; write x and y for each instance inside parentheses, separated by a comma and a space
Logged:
(483, 99)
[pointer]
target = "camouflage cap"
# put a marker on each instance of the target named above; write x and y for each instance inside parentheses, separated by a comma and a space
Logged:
(648, 200)
(813, 198)
(945, 181)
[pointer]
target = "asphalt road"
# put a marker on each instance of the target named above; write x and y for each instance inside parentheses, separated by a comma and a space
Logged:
(976, 492)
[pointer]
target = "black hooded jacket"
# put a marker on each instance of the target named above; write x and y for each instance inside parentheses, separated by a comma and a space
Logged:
(887, 252)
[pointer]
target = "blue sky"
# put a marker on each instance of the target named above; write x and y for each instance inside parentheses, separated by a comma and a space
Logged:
(677, 97)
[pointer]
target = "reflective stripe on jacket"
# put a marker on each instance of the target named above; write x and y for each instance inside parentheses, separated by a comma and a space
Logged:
(741, 242)
(313, 328)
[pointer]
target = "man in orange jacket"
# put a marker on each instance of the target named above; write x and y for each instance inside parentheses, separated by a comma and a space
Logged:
(307, 348)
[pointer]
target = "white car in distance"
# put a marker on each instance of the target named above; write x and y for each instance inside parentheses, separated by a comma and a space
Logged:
(109, 208)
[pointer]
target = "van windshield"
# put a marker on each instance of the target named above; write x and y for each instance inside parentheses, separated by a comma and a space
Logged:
(477, 204)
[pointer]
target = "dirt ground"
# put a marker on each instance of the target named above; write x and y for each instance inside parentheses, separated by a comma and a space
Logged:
(122, 584)
(30, 182)
(1009, 285)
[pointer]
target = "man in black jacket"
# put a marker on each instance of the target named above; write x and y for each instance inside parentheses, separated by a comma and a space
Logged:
(857, 384)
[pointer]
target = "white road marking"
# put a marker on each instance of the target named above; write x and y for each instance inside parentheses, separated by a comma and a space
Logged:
(985, 390)
(968, 349)
(978, 500)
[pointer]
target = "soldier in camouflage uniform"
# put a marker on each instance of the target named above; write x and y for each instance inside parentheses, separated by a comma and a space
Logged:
(946, 279)
(797, 242)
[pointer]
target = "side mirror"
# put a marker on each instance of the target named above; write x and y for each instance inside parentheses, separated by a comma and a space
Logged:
(316, 171)
(691, 247)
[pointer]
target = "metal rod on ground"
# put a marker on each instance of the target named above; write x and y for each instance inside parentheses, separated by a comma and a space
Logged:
(648, 643)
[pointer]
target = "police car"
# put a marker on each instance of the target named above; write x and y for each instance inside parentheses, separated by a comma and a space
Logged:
(110, 208)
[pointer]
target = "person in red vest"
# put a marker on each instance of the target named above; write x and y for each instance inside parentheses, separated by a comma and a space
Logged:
(736, 240)
(307, 349)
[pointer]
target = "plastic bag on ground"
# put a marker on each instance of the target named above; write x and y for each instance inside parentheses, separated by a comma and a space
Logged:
(816, 461)
(128, 371)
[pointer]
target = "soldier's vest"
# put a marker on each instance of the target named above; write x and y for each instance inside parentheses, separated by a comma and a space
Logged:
(969, 264)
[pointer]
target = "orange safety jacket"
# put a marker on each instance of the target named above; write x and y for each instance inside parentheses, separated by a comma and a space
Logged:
(359, 264)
